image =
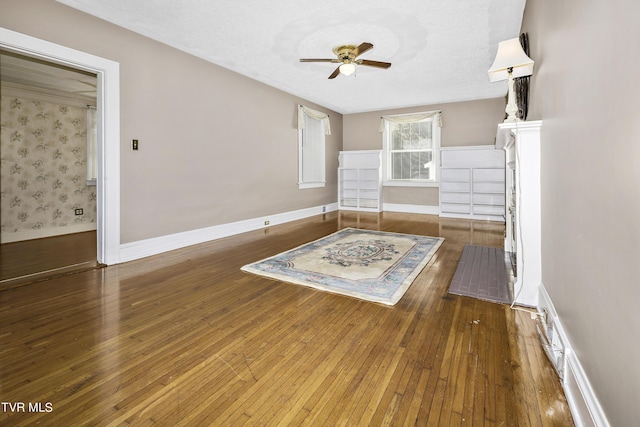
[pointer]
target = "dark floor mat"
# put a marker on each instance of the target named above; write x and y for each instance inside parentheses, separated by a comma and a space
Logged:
(482, 273)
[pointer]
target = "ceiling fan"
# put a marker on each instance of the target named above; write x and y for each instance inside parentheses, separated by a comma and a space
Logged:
(346, 56)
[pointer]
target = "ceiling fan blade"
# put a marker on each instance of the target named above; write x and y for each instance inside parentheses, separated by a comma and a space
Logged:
(335, 73)
(319, 60)
(374, 63)
(362, 49)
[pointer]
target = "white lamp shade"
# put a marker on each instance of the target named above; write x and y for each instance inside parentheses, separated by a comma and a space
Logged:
(510, 55)
(347, 69)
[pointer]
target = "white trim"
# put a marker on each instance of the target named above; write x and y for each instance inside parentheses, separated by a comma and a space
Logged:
(523, 149)
(468, 147)
(108, 105)
(405, 208)
(584, 405)
(157, 245)
(303, 185)
(496, 218)
(437, 144)
(409, 183)
(19, 236)
(581, 397)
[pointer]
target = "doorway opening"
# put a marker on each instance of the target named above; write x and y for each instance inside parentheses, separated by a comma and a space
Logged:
(48, 181)
(105, 84)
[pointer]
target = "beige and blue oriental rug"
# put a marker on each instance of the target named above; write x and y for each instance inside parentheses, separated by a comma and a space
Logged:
(374, 266)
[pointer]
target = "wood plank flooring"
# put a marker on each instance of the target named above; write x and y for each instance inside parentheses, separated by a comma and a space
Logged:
(186, 338)
(32, 260)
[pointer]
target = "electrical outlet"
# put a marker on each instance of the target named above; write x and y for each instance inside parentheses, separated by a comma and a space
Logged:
(79, 211)
(134, 145)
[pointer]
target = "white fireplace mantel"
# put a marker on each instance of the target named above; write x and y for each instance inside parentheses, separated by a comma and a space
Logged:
(521, 142)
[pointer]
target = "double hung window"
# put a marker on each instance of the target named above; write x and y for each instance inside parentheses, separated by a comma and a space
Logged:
(411, 148)
(313, 126)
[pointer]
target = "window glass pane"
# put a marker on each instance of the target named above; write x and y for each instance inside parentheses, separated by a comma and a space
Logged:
(423, 136)
(415, 165)
(411, 136)
(424, 164)
(313, 151)
(396, 165)
(398, 161)
(92, 145)
(396, 137)
(414, 136)
(311, 147)
(412, 164)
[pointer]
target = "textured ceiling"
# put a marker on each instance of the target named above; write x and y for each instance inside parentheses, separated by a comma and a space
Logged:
(440, 49)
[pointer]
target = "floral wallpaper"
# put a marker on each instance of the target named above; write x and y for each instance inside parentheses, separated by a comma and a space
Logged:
(43, 168)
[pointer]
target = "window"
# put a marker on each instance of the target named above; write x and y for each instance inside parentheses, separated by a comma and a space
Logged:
(92, 146)
(411, 149)
(313, 126)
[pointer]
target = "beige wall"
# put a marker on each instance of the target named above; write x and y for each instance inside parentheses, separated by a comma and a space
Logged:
(585, 89)
(464, 123)
(215, 146)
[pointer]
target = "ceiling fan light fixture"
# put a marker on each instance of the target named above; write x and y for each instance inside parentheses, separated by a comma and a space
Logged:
(347, 68)
(347, 57)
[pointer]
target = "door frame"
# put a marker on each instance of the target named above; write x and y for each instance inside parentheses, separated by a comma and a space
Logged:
(108, 107)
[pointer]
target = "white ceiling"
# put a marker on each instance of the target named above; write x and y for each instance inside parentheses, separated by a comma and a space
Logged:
(440, 49)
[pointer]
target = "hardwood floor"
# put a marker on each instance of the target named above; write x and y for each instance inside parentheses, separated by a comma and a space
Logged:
(186, 338)
(32, 260)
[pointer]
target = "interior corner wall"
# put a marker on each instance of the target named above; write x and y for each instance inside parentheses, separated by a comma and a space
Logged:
(215, 147)
(464, 123)
(585, 91)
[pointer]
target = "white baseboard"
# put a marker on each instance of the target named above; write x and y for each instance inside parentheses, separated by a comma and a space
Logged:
(497, 218)
(157, 245)
(46, 232)
(405, 208)
(583, 403)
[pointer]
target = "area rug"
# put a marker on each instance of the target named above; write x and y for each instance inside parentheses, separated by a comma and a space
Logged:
(482, 273)
(371, 265)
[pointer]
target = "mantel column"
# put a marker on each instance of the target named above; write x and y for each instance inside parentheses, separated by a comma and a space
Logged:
(521, 141)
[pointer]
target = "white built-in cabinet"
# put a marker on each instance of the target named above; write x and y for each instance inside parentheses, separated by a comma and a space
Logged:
(472, 182)
(521, 143)
(360, 180)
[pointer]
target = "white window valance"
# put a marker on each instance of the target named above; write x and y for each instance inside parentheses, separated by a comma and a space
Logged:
(317, 115)
(413, 117)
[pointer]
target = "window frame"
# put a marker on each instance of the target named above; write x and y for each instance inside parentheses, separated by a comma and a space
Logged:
(304, 132)
(436, 136)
